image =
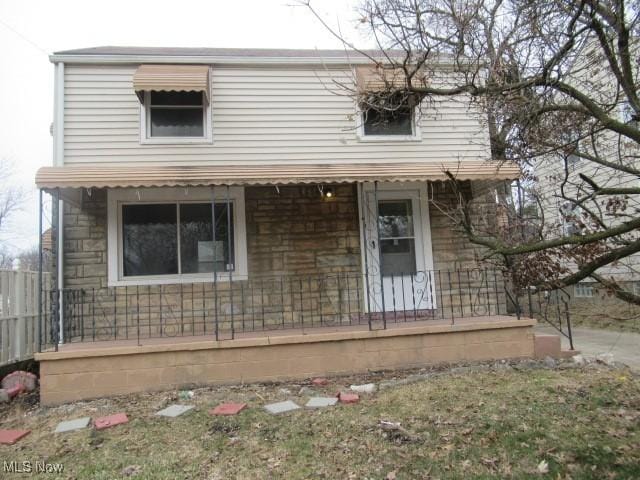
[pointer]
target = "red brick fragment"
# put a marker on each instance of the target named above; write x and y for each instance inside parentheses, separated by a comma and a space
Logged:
(348, 397)
(28, 380)
(9, 437)
(319, 382)
(110, 421)
(16, 390)
(228, 409)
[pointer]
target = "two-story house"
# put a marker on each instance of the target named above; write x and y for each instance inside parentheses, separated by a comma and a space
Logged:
(219, 204)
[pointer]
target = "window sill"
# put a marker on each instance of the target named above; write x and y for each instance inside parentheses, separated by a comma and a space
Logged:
(176, 141)
(175, 279)
(389, 139)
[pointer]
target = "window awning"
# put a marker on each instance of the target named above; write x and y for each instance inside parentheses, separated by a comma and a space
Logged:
(181, 78)
(375, 79)
(81, 176)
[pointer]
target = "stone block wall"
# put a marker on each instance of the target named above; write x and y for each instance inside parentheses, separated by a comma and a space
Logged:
(294, 230)
(303, 259)
(85, 242)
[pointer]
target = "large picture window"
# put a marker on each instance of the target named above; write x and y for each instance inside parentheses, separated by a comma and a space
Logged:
(161, 240)
(166, 238)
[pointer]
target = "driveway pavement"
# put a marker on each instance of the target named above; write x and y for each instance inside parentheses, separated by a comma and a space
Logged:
(624, 346)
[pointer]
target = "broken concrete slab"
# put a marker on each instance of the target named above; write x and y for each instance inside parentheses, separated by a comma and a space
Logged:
(9, 437)
(110, 421)
(71, 425)
(173, 411)
(606, 358)
(228, 409)
(320, 402)
(366, 388)
(281, 407)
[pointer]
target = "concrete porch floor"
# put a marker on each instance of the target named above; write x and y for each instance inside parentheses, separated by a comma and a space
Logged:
(431, 325)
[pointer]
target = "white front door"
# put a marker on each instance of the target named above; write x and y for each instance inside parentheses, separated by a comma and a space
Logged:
(399, 266)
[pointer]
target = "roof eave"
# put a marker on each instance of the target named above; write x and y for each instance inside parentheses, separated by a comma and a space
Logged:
(207, 59)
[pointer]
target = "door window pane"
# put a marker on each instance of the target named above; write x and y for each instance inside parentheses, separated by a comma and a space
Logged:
(398, 257)
(397, 242)
(149, 239)
(395, 218)
(197, 254)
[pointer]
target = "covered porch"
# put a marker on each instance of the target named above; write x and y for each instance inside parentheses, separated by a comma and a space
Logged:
(184, 259)
(293, 246)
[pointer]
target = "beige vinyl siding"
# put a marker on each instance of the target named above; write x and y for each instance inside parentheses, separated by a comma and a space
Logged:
(291, 114)
(589, 74)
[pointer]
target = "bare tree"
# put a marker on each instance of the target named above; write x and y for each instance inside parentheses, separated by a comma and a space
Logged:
(6, 258)
(11, 196)
(557, 81)
(29, 259)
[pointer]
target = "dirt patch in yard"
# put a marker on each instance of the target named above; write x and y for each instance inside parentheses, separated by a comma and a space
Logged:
(506, 420)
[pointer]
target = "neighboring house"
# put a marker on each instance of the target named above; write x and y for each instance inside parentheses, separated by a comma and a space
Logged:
(561, 172)
(213, 194)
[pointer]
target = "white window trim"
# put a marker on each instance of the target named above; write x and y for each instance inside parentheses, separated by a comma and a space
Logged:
(415, 127)
(116, 198)
(146, 139)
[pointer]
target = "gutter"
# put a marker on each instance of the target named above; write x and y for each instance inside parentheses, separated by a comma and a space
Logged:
(228, 60)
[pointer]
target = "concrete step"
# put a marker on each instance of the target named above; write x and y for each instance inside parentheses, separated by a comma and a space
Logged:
(569, 353)
(546, 346)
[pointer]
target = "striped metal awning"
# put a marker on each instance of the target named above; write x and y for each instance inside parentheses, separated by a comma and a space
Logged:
(80, 176)
(185, 78)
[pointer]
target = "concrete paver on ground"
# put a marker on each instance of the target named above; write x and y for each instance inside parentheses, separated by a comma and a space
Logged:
(71, 425)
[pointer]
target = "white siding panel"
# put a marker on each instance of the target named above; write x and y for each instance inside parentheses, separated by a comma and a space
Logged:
(258, 115)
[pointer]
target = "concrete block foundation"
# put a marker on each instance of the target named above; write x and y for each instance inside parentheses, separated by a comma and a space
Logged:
(85, 371)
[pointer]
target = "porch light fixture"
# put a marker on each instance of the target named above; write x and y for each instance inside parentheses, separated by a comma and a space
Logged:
(326, 192)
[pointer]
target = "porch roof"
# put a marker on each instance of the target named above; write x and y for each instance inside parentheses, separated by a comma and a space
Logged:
(92, 176)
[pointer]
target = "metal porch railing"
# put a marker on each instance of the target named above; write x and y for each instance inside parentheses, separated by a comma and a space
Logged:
(225, 310)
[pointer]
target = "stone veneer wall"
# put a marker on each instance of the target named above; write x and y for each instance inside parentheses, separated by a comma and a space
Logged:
(290, 231)
(85, 242)
(296, 231)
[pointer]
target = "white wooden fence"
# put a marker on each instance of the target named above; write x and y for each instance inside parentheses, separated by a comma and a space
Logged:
(19, 329)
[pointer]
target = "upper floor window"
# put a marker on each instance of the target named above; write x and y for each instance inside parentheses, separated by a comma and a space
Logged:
(176, 116)
(175, 103)
(572, 219)
(397, 121)
(574, 159)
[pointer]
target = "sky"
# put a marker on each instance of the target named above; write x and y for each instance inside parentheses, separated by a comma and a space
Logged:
(30, 30)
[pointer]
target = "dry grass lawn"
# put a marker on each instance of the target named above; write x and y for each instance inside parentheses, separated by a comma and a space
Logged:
(504, 423)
